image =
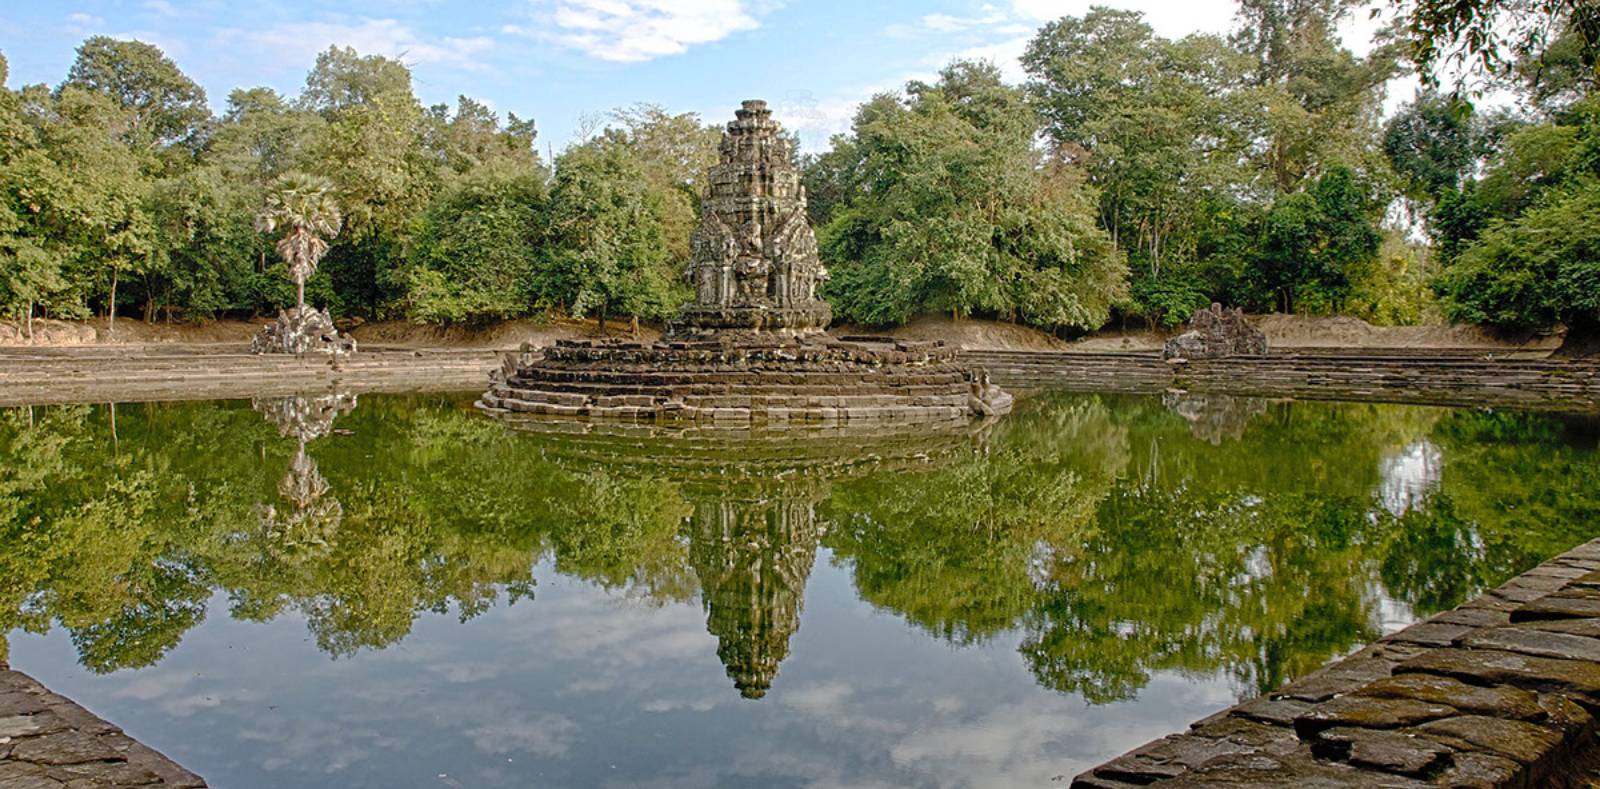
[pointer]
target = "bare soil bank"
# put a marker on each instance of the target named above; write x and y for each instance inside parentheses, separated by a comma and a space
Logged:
(1283, 332)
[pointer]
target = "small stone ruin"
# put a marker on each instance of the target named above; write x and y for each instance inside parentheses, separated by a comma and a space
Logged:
(1216, 333)
(751, 347)
(301, 332)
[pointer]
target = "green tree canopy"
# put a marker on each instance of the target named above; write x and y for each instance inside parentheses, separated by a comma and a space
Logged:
(607, 250)
(165, 107)
(950, 207)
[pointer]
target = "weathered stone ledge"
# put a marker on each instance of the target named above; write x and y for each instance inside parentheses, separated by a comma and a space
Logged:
(48, 742)
(30, 377)
(1499, 692)
(1444, 379)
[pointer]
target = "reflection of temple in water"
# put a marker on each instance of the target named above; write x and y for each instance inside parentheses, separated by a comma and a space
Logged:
(754, 530)
(753, 557)
(1215, 418)
(311, 517)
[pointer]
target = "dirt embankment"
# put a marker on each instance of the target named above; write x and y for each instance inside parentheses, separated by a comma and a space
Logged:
(507, 334)
(127, 332)
(1284, 332)
(967, 334)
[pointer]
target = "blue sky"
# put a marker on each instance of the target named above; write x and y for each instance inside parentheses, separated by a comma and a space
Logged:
(561, 61)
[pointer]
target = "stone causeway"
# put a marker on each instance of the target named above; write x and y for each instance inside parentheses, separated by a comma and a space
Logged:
(48, 742)
(1499, 692)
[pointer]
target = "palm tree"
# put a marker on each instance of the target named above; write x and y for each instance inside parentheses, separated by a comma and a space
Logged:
(304, 206)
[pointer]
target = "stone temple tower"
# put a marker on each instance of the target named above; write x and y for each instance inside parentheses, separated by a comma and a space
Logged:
(752, 347)
(754, 259)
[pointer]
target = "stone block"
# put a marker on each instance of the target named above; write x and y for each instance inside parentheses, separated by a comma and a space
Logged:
(1522, 742)
(1499, 701)
(1474, 770)
(1490, 667)
(1557, 607)
(1535, 642)
(1588, 628)
(1275, 711)
(1342, 677)
(1268, 737)
(1433, 634)
(1382, 750)
(1473, 617)
(68, 747)
(1369, 712)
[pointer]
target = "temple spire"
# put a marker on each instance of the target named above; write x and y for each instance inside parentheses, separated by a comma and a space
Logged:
(754, 261)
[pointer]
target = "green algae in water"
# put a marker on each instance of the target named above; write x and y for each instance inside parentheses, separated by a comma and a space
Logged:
(400, 591)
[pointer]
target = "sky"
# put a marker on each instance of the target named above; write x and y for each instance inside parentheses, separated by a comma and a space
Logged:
(566, 63)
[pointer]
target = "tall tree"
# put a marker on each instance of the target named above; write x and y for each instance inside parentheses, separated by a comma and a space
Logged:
(1495, 35)
(607, 252)
(1156, 121)
(304, 208)
(165, 108)
(950, 207)
(1318, 103)
(372, 148)
(476, 252)
(1313, 244)
(673, 152)
(1521, 244)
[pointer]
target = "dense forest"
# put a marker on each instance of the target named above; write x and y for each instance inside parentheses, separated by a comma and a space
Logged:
(1130, 177)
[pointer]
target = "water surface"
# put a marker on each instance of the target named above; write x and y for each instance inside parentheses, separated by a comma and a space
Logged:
(398, 591)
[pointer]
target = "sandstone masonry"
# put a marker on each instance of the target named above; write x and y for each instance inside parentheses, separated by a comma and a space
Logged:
(46, 741)
(1500, 692)
(751, 346)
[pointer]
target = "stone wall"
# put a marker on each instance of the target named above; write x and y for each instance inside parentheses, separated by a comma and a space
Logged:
(38, 376)
(1500, 692)
(1439, 378)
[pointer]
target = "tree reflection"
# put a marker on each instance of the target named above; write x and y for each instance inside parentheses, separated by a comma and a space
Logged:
(749, 515)
(307, 525)
(1110, 538)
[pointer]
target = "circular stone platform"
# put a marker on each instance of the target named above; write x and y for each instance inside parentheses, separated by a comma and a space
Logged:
(808, 379)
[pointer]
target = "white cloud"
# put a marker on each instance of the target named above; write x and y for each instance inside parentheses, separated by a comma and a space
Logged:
(80, 23)
(162, 7)
(299, 43)
(549, 736)
(1006, 55)
(631, 31)
(948, 23)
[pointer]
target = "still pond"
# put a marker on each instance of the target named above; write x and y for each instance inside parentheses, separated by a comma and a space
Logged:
(392, 591)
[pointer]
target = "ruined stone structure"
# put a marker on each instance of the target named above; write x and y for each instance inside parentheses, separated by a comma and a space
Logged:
(1217, 333)
(751, 347)
(296, 332)
(755, 265)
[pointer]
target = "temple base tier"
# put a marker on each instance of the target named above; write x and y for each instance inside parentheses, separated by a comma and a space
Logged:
(703, 322)
(739, 378)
